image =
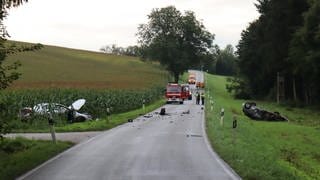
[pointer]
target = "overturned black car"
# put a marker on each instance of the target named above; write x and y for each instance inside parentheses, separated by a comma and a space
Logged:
(251, 110)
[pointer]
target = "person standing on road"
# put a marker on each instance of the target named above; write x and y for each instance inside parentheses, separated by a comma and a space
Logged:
(202, 98)
(71, 115)
(197, 98)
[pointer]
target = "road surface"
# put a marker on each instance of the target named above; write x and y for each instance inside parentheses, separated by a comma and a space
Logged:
(152, 147)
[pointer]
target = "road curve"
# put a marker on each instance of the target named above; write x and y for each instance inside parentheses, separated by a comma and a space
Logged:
(170, 147)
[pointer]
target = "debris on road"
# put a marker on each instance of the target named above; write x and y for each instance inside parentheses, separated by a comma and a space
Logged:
(163, 111)
(252, 111)
(194, 135)
(148, 116)
(186, 112)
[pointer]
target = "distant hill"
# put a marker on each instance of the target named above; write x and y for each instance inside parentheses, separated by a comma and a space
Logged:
(54, 66)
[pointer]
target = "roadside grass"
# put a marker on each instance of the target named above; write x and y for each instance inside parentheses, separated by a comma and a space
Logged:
(263, 150)
(18, 156)
(101, 124)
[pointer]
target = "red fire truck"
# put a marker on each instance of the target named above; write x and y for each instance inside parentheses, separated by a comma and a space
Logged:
(174, 93)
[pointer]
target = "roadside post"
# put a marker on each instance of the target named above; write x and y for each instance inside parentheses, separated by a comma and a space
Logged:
(221, 116)
(108, 114)
(52, 130)
(234, 122)
(234, 131)
(234, 127)
(143, 106)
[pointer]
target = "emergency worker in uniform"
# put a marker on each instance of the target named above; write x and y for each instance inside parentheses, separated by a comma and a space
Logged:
(202, 98)
(197, 97)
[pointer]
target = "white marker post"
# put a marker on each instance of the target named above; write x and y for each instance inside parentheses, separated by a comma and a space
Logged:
(143, 106)
(221, 116)
(234, 133)
(108, 114)
(234, 126)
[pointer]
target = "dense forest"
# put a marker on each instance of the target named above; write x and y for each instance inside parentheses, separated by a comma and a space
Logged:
(284, 42)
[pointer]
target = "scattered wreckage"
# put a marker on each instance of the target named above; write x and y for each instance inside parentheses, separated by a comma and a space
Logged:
(251, 110)
(55, 108)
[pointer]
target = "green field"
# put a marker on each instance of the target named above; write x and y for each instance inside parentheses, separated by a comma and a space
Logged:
(53, 67)
(263, 150)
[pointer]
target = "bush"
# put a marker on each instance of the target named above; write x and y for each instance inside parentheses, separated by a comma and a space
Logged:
(12, 146)
(239, 87)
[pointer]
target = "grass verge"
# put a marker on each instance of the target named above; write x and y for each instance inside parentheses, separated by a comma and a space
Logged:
(101, 124)
(21, 155)
(263, 150)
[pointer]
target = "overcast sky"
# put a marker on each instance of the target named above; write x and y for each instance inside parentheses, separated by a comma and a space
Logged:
(90, 24)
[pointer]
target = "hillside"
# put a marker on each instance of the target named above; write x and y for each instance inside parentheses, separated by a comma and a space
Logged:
(53, 67)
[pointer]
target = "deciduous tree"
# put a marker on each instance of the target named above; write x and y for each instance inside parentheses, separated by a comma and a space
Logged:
(177, 40)
(7, 74)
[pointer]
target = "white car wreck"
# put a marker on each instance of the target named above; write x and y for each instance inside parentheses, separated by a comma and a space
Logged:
(56, 108)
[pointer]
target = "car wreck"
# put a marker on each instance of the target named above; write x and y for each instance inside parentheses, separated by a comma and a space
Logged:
(55, 108)
(251, 110)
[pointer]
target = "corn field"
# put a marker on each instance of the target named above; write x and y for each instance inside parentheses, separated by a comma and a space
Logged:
(97, 102)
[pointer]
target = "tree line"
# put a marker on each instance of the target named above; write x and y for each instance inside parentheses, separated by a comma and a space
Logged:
(122, 51)
(284, 40)
(217, 61)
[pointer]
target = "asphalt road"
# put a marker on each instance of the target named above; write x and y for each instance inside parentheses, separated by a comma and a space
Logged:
(152, 147)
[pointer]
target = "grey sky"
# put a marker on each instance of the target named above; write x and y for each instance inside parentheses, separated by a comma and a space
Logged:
(90, 24)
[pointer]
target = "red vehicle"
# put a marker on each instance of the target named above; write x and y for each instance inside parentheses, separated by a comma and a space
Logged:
(174, 93)
(186, 92)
